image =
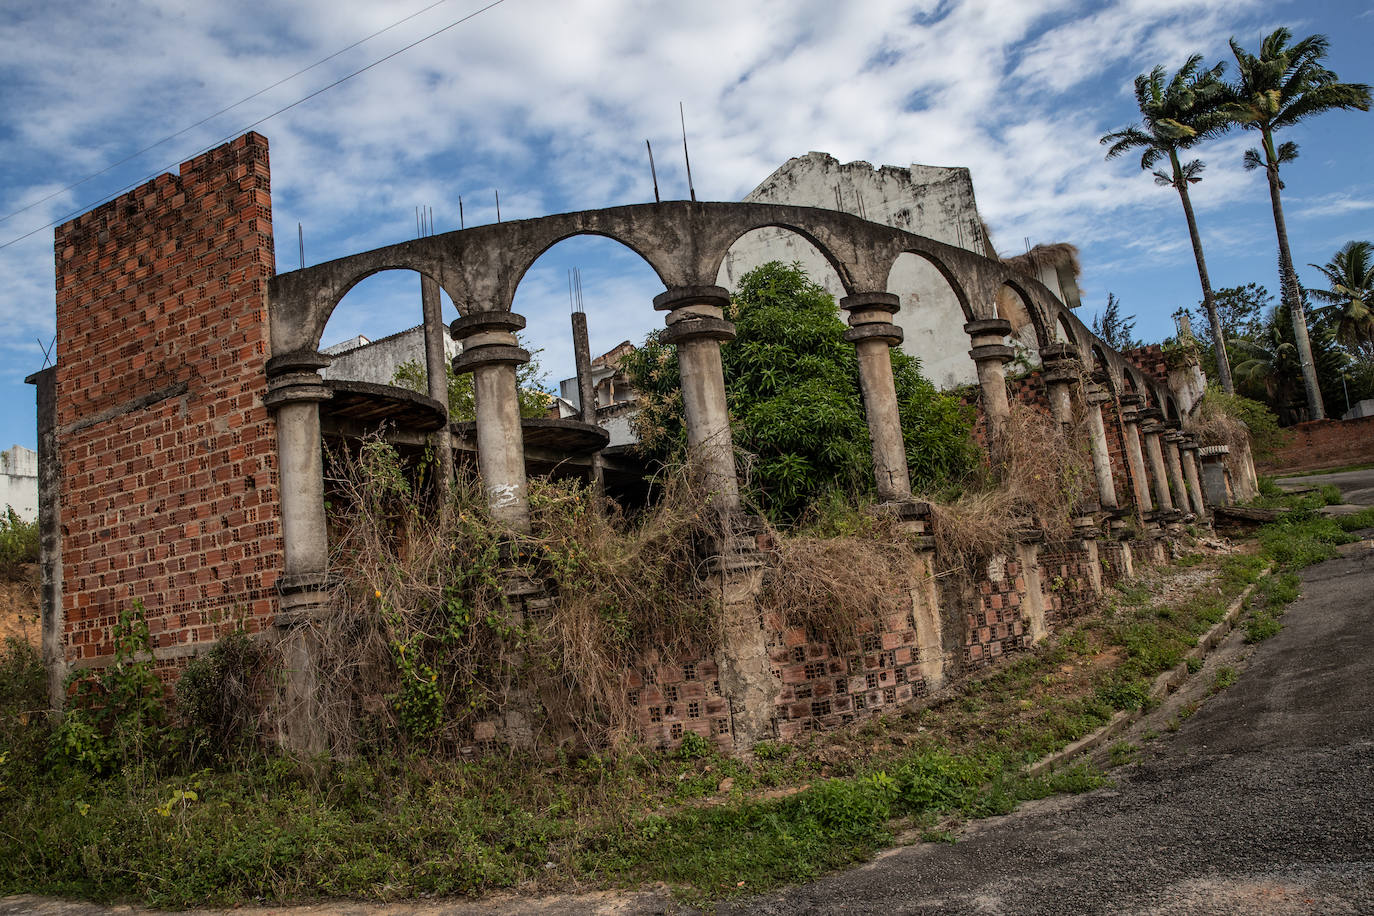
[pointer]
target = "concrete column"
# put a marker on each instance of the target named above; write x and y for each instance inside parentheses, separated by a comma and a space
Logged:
(294, 393)
(1102, 458)
(53, 615)
(1130, 422)
(1151, 429)
(696, 325)
(990, 354)
(436, 371)
(1216, 480)
(874, 336)
(1192, 477)
(490, 353)
(1174, 460)
(1059, 370)
(586, 397)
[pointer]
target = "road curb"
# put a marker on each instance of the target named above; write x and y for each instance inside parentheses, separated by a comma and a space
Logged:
(1162, 686)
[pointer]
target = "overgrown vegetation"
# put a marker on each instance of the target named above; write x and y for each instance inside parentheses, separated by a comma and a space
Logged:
(18, 544)
(402, 820)
(530, 384)
(792, 382)
(427, 639)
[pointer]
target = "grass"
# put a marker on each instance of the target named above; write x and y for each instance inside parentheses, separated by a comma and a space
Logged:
(168, 832)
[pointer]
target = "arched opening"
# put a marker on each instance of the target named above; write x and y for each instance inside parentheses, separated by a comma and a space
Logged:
(1063, 330)
(613, 287)
(377, 326)
(1026, 337)
(777, 243)
(932, 317)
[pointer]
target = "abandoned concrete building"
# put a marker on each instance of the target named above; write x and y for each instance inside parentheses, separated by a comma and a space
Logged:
(19, 482)
(181, 430)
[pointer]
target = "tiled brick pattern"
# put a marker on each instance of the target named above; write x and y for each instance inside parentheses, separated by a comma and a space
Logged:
(1066, 582)
(169, 490)
(1320, 444)
(1110, 556)
(995, 624)
(673, 697)
(824, 688)
(1150, 360)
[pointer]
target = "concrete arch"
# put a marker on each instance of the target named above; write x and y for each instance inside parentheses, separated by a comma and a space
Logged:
(841, 269)
(950, 277)
(1020, 309)
(578, 233)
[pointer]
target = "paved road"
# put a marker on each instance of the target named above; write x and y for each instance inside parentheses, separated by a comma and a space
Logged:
(1262, 802)
(1357, 487)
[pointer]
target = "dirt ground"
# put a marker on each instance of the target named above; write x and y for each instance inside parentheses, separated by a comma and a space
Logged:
(19, 607)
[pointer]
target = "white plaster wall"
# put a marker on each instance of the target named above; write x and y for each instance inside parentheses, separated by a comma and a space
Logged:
(19, 481)
(926, 200)
(376, 361)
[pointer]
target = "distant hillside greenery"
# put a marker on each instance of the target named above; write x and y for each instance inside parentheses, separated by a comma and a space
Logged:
(792, 383)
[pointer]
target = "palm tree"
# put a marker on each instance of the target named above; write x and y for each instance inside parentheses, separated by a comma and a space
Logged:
(1176, 115)
(1267, 365)
(1351, 275)
(1277, 88)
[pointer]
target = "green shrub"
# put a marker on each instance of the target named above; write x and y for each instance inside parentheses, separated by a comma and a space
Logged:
(1260, 626)
(18, 544)
(792, 383)
(221, 694)
(116, 715)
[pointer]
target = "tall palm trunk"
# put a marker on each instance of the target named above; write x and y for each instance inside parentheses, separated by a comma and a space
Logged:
(1209, 302)
(1288, 280)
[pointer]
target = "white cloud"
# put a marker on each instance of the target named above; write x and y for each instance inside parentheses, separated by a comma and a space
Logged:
(550, 101)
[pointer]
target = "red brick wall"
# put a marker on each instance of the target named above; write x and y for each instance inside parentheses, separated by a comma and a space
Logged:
(169, 489)
(1149, 359)
(1321, 444)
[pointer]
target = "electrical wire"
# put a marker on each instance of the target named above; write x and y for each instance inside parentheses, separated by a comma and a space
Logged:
(211, 117)
(262, 120)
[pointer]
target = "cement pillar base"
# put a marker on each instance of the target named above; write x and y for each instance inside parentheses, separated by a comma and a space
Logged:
(746, 674)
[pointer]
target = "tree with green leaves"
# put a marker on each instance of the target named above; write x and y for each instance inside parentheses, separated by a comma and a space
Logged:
(1177, 113)
(792, 383)
(1113, 328)
(1275, 89)
(529, 380)
(1350, 274)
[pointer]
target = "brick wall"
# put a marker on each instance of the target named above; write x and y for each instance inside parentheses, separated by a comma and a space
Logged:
(1321, 444)
(168, 490)
(1150, 360)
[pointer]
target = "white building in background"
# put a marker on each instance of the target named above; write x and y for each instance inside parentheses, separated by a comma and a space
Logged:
(925, 200)
(19, 481)
(358, 359)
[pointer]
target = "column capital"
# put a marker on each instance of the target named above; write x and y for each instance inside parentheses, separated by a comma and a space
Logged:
(294, 377)
(991, 330)
(488, 339)
(869, 317)
(677, 297)
(1058, 352)
(867, 308)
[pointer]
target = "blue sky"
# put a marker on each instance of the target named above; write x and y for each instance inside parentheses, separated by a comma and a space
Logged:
(550, 101)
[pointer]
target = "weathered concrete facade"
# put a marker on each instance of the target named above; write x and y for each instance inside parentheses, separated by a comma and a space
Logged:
(188, 464)
(19, 482)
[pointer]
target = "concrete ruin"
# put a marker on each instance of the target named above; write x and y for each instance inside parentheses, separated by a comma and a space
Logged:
(19, 482)
(181, 435)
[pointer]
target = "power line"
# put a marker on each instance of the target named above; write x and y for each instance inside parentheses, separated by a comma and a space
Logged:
(259, 121)
(169, 137)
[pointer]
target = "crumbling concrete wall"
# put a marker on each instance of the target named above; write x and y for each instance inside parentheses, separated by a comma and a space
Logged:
(19, 482)
(927, 200)
(168, 488)
(360, 360)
